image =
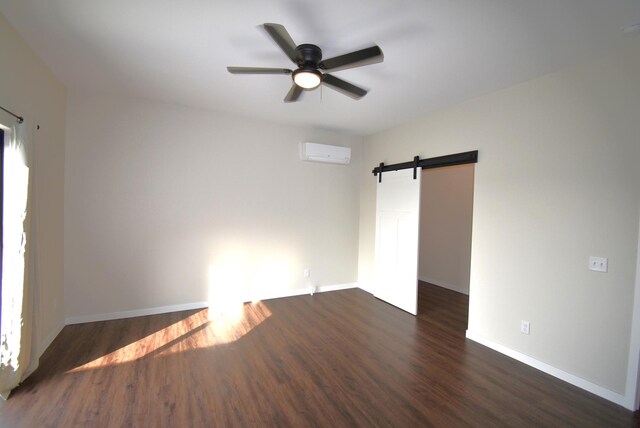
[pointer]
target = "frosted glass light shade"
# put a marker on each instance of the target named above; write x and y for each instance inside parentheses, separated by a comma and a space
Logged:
(307, 78)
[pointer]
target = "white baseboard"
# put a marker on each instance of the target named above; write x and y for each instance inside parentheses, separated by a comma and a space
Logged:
(135, 313)
(368, 287)
(50, 338)
(444, 284)
(336, 287)
(196, 305)
(553, 371)
(307, 290)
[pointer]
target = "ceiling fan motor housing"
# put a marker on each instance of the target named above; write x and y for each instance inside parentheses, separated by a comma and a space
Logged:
(309, 55)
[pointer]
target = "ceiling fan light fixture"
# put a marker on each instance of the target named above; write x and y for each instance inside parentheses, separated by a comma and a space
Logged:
(311, 70)
(307, 78)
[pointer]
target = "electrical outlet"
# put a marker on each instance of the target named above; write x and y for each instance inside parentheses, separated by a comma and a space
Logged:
(524, 327)
(598, 264)
(307, 273)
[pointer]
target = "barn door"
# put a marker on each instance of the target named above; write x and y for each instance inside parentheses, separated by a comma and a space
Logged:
(397, 227)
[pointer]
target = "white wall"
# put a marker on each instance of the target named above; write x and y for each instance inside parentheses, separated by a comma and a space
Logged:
(28, 88)
(161, 198)
(446, 213)
(557, 181)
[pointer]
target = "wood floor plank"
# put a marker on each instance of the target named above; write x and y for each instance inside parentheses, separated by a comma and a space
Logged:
(338, 359)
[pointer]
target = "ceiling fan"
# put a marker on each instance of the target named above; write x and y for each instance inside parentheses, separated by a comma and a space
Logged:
(311, 69)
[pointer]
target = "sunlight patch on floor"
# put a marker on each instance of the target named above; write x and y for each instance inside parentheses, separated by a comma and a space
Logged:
(197, 331)
(239, 272)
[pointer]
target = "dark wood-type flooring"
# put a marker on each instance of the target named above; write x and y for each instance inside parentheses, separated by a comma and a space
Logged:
(338, 359)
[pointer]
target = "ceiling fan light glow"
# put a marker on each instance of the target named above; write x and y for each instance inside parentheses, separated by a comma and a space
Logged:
(307, 78)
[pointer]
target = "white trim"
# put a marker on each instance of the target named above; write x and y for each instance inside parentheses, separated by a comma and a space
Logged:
(281, 294)
(136, 313)
(366, 286)
(553, 371)
(50, 338)
(633, 364)
(198, 305)
(444, 284)
(303, 291)
(336, 287)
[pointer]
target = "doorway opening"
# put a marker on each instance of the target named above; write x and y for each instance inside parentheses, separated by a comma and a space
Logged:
(398, 230)
(444, 249)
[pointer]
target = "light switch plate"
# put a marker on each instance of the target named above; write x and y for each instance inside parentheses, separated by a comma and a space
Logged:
(598, 264)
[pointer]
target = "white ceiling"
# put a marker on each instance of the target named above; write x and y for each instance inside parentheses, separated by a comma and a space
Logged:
(437, 52)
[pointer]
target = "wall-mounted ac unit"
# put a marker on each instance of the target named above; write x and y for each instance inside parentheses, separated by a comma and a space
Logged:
(314, 152)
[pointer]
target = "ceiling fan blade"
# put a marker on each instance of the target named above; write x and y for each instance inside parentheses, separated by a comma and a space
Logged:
(280, 35)
(343, 86)
(258, 70)
(359, 58)
(293, 94)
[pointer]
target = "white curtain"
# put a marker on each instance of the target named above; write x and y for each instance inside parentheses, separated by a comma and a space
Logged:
(18, 357)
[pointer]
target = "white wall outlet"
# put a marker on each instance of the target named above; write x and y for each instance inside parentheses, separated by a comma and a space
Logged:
(524, 327)
(598, 264)
(307, 273)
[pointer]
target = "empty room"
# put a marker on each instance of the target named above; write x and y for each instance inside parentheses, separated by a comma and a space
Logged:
(340, 213)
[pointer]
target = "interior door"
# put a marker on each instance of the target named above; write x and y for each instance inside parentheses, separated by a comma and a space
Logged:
(397, 233)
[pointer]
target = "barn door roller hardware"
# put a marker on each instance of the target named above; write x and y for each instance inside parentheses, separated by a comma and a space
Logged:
(437, 162)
